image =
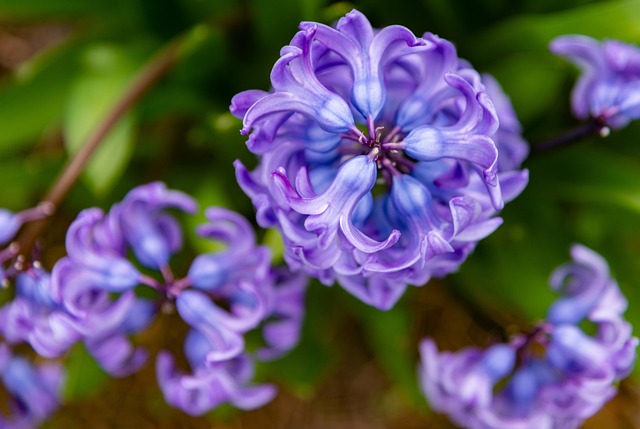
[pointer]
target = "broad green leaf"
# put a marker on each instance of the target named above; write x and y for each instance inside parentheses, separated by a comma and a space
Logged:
(388, 336)
(531, 33)
(108, 72)
(532, 82)
(302, 369)
(30, 101)
(276, 28)
(210, 193)
(84, 376)
(37, 8)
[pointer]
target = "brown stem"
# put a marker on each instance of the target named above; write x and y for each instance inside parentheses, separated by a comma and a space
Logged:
(592, 128)
(155, 69)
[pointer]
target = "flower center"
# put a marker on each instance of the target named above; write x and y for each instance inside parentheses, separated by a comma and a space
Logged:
(381, 148)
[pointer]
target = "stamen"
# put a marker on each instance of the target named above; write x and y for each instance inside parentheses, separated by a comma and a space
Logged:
(392, 134)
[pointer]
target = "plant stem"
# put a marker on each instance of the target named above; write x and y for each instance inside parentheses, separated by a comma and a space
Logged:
(589, 129)
(148, 76)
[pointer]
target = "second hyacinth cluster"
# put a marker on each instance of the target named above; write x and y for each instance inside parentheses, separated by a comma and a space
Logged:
(90, 296)
(554, 376)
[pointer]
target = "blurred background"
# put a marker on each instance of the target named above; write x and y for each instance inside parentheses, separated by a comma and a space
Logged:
(64, 63)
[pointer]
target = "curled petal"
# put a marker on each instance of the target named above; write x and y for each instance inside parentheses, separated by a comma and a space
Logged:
(9, 225)
(334, 208)
(298, 90)
(116, 355)
(152, 234)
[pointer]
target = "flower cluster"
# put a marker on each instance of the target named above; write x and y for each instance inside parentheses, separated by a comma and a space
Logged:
(90, 296)
(609, 88)
(554, 377)
(34, 390)
(382, 158)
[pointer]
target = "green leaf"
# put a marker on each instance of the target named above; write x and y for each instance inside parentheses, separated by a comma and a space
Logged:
(30, 101)
(302, 369)
(388, 335)
(84, 376)
(523, 76)
(273, 239)
(531, 33)
(210, 193)
(276, 28)
(108, 72)
(37, 8)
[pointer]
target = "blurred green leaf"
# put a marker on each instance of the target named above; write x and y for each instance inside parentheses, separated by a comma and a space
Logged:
(276, 28)
(302, 369)
(36, 8)
(30, 102)
(108, 71)
(388, 335)
(273, 240)
(84, 376)
(532, 33)
(210, 193)
(532, 82)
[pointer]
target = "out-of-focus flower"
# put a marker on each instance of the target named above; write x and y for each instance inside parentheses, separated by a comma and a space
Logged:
(9, 225)
(97, 269)
(609, 88)
(224, 295)
(232, 292)
(34, 390)
(554, 377)
(377, 156)
(35, 316)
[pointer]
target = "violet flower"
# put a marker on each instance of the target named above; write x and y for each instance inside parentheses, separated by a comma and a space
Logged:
(356, 112)
(34, 391)
(224, 295)
(87, 282)
(554, 377)
(609, 88)
(230, 293)
(37, 317)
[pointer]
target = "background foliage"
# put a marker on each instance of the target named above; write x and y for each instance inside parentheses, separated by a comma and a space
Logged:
(64, 63)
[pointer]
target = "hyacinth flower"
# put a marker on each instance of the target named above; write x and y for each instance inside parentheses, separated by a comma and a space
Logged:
(254, 294)
(224, 295)
(554, 377)
(95, 281)
(608, 90)
(383, 159)
(37, 317)
(34, 391)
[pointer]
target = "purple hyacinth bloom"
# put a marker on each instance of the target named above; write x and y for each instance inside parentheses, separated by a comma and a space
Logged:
(224, 295)
(554, 377)
(609, 88)
(34, 391)
(37, 317)
(230, 293)
(97, 268)
(210, 385)
(153, 234)
(512, 148)
(358, 122)
(282, 329)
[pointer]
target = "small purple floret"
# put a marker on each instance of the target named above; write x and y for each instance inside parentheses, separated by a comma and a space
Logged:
(35, 391)
(609, 88)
